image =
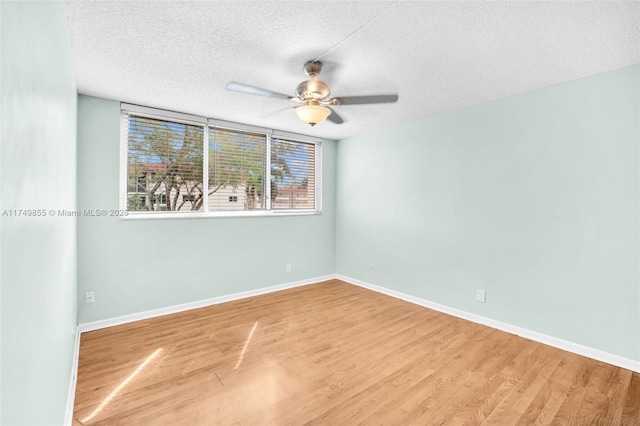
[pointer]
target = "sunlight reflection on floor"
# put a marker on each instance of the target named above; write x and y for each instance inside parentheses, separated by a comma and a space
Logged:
(121, 385)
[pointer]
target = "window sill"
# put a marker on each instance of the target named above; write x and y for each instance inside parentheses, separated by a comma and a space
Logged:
(203, 215)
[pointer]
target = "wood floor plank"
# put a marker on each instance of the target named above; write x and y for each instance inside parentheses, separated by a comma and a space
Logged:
(336, 354)
(547, 402)
(631, 408)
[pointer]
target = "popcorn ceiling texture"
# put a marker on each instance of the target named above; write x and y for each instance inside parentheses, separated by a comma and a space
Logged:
(438, 56)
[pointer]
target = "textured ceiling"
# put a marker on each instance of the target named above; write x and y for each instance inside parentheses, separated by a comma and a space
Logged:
(437, 56)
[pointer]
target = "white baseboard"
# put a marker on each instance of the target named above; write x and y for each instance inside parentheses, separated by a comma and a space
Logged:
(68, 415)
(110, 322)
(587, 351)
(566, 345)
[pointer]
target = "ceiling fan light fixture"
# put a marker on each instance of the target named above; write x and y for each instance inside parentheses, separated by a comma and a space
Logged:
(312, 114)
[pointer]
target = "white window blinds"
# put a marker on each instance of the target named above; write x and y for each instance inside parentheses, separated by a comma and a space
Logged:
(236, 170)
(164, 165)
(178, 165)
(293, 175)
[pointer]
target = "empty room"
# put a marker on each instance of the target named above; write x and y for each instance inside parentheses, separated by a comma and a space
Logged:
(320, 212)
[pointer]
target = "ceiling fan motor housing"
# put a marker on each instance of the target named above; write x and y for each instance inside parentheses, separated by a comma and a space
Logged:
(313, 89)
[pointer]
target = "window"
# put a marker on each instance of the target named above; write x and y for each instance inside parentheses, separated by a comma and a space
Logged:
(292, 174)
(180, 165)
(164, 160)
(237, 163)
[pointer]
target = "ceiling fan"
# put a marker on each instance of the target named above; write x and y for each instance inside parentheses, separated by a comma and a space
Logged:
(314, 98)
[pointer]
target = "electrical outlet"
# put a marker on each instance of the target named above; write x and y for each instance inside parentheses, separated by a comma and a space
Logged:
(481, 296)
(372, 269)
(287, 268)
(89, 297)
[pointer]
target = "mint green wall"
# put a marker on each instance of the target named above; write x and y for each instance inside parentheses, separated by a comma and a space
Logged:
(137, 265)
(533, 198)
(38, 264)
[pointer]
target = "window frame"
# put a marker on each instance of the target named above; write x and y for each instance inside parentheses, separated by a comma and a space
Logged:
(206, 123)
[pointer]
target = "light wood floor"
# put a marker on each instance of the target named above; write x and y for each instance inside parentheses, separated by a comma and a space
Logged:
(333, 353)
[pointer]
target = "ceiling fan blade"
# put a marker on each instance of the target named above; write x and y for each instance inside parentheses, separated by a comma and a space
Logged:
(252, 90)
(334, 117)
(363, 100)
